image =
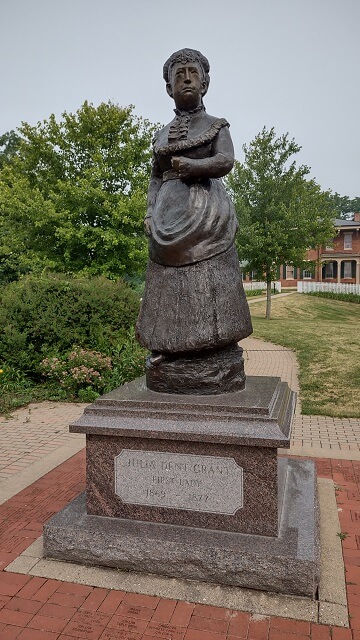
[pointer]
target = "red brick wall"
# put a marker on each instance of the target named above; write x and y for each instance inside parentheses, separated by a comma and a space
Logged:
(338, 243)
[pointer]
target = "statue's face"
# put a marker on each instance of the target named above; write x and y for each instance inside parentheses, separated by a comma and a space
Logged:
(187, 85)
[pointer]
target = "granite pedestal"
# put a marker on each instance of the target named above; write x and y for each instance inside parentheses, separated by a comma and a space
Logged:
(191, 486)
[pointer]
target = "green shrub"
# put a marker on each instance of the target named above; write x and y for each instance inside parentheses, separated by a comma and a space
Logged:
(250, 293)
(128, 361)
(47, 316)
(137, 283)
(12, 380)
(15, 388)
(332, 295)
(66, 339)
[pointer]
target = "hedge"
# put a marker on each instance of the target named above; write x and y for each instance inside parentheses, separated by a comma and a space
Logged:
(46, 316)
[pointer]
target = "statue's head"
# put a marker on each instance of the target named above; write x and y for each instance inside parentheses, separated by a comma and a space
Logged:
(187, 57)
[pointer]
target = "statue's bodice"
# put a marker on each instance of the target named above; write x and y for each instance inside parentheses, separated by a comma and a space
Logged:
(195, 139)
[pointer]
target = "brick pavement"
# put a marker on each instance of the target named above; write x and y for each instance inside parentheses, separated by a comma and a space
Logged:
(33, 608)
(267, 359)
(33, 432)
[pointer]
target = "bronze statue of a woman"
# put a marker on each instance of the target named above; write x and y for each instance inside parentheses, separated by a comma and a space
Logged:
(194, 310)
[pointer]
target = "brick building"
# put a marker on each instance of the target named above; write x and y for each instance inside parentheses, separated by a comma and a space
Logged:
(337, 262)
(340, 261)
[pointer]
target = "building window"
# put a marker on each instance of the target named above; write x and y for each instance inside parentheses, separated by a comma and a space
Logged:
(329, 270)
(347, 240)
(307, 274)
(347, 266)
(289, 272)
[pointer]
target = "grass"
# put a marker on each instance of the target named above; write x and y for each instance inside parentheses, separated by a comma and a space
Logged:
(325, 335)
(344, 297)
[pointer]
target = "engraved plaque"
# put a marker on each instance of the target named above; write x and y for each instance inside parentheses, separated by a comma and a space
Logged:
(179, 481)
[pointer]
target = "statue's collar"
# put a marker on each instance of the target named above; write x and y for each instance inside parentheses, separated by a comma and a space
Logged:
(191, 112)
(179, 128)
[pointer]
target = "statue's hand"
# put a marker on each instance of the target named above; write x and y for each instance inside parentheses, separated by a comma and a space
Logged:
(183, 166)
(147, 226)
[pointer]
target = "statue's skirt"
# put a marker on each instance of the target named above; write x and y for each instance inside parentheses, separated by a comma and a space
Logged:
(194, 307)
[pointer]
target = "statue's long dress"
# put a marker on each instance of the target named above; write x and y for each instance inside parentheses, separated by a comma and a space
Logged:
(194, 298)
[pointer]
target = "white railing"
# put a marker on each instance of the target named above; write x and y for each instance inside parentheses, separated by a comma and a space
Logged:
(249, 286)
(305, 287)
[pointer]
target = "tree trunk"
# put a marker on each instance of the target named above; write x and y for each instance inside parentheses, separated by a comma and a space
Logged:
(268, 299)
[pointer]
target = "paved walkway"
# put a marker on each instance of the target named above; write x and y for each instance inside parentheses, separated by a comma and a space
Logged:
(311, 435)
(33, 432)
(42, 467)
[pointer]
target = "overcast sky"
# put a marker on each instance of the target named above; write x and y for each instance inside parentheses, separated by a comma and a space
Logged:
(291, 64)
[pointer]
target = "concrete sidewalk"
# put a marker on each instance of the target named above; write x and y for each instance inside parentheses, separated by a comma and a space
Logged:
(33, 441)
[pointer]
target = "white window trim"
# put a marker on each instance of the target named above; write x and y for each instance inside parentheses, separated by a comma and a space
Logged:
(293, 272)
(307, 277)
(347, 262)
(348, 237)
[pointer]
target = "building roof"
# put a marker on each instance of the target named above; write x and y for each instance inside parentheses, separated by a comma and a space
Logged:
(339, 222)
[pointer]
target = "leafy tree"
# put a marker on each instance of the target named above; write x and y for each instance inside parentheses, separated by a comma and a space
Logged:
(345, 206)
(281, 213)
(73, 196)
(9, 144)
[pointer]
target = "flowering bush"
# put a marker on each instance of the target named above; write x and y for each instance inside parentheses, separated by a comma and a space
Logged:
(79, 369)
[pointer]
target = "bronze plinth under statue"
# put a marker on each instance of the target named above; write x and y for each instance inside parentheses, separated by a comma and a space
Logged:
(194, 309)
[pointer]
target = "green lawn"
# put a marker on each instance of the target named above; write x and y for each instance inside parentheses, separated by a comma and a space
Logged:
(325, 334)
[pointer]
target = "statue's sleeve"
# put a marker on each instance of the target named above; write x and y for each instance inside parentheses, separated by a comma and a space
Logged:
(154, 186)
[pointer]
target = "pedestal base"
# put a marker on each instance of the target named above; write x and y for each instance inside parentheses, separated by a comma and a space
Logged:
(288, 563)
(210, 372)
(190, 486)
(200, 461)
